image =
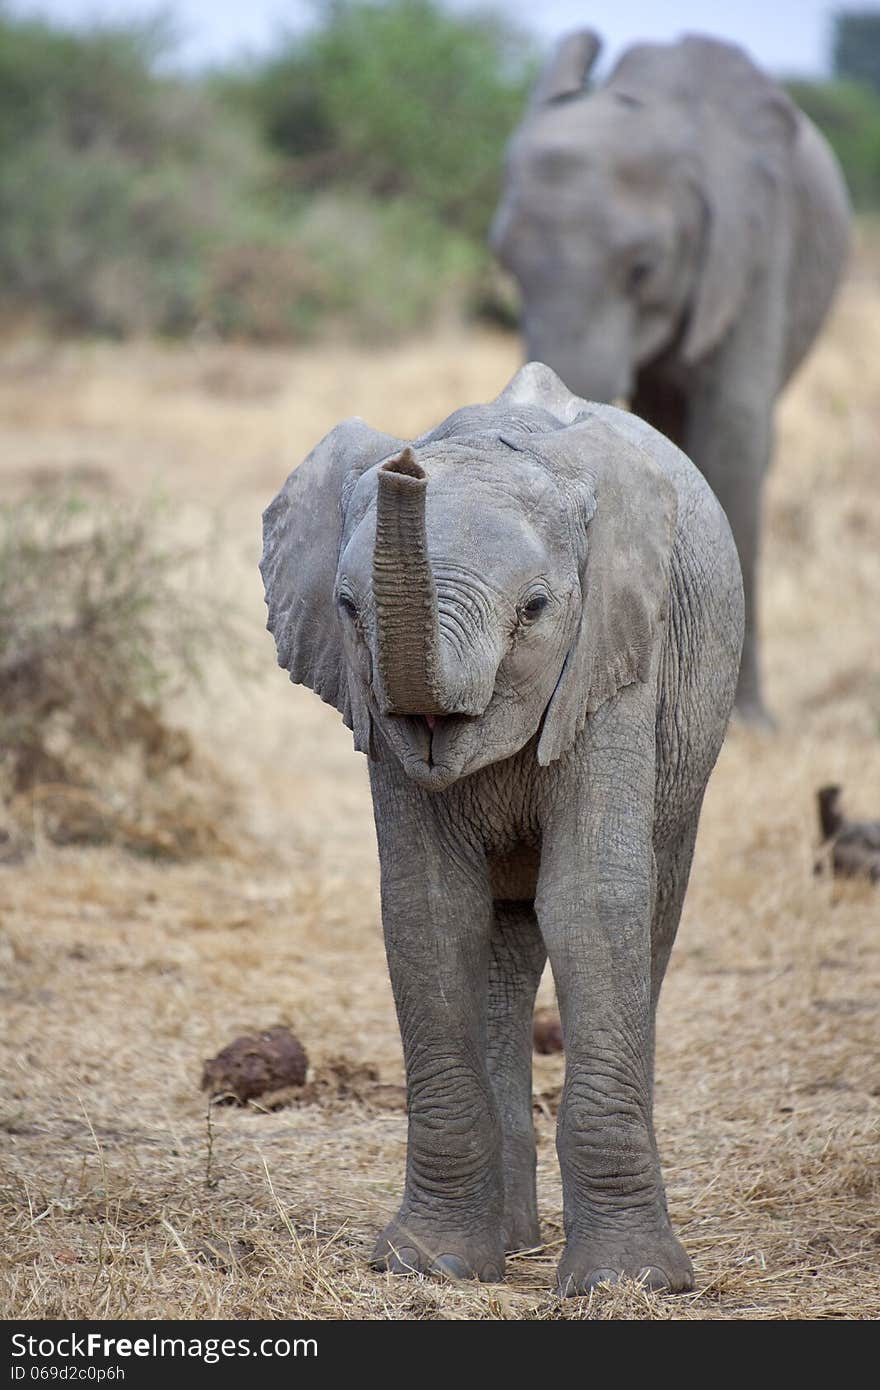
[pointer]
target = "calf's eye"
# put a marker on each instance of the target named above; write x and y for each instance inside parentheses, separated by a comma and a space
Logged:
(534, 607)
(639, 274)
(348, 605)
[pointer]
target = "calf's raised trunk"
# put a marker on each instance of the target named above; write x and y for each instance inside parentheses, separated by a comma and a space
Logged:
(408, 633)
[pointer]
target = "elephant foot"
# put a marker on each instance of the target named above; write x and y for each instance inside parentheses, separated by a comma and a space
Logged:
(408, 1246)
(657, 1262)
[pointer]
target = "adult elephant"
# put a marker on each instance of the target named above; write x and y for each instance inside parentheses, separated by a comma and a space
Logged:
(677, 235)
(531, 618)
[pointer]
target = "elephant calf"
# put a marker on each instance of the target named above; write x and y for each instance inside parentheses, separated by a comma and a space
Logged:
(531, 618)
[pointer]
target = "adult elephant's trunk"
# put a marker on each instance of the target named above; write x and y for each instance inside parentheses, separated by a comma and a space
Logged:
(408, 635)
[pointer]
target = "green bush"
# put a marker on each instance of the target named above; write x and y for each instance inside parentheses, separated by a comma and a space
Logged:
(400, 100)
(117, 186)
(848, 114)
(83, 85)
(388, 267)
(349, 178)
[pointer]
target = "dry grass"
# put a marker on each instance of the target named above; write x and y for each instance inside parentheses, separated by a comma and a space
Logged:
(123, 1196)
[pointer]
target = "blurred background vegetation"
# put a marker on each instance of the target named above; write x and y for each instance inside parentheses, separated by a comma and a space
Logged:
(344, 183)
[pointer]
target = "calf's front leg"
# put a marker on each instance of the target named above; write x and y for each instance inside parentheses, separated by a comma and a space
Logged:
(437, 917)
(595, 899)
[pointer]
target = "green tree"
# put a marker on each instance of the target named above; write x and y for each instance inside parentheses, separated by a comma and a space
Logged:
(848, 114)
(401, 99)
(117, 185)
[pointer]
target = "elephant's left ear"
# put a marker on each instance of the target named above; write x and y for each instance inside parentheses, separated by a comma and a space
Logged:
(302, 533)
(748, 127)
(624, 511)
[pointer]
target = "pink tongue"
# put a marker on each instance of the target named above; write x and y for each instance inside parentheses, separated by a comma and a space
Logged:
(430, 720)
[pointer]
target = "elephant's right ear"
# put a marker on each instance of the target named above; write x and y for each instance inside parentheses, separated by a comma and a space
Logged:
(302, 532)
(566, 70)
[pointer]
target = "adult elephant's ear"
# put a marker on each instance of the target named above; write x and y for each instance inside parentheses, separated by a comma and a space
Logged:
(623, 515)
(747, 129)
(302, 532)
(566, 70)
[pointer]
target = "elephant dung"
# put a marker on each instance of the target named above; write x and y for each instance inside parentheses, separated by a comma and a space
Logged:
(254, 1064)
(547, 1032)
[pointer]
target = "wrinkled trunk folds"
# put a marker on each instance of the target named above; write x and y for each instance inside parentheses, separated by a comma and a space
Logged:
(403, 588)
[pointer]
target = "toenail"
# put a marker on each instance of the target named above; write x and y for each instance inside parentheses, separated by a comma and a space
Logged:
(404, 1261)
(653, 1277)
(450, 1265)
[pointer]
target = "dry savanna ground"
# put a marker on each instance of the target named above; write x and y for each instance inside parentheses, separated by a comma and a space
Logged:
(122, 1196)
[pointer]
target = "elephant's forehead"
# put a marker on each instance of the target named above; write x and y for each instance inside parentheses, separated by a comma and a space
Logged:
(498, 508)
(497, 494)
(498, 472)
(598, 138)
(515, 515)
(487, 475)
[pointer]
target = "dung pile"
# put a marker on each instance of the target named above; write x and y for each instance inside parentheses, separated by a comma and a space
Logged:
(256, 1064)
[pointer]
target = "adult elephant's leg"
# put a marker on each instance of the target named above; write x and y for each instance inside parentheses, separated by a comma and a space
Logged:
(733, 453)
(516, 960)
(660, 404)
(729, 436)
(437, 918)
(595, 908)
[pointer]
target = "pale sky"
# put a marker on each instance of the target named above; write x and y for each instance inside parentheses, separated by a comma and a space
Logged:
(785, 36)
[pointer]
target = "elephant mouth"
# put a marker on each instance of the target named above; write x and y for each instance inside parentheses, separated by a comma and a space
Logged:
(426, 746)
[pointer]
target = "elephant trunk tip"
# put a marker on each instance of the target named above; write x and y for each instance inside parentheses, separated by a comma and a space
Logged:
(404, 466)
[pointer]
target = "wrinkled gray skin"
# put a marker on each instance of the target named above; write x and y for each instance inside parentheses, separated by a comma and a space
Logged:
(677, 235)
(532, 621)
